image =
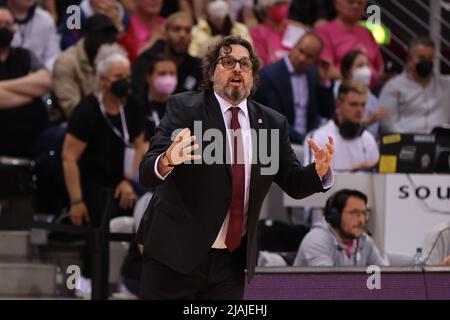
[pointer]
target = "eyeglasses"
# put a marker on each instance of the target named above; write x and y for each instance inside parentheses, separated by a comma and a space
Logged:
(229, 63)
(357, 213)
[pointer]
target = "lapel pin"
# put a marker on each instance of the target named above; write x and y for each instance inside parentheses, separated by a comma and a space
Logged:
(259, 121)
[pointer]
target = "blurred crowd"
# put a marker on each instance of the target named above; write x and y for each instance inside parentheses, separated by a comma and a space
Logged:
(84, 84)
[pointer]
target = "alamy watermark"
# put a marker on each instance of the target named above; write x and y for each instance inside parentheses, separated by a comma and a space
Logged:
(374, 280)
(215, 148)
(73, 21)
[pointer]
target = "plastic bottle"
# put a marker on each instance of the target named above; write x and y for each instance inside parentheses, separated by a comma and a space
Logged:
(59, 280)
(418, 258)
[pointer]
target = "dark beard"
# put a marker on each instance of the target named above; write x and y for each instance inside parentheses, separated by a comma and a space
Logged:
(235, 94)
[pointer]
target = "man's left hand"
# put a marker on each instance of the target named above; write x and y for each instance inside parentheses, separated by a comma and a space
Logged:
(322, 156)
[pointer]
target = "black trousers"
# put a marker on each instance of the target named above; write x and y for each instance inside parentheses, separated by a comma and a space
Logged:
(220, 276)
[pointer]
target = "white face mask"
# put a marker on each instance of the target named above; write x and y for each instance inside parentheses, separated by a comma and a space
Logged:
(218, 9)
(363, 75)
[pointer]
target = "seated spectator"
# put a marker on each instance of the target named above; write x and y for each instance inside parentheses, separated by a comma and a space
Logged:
(296, 88)
(161, 79)
(104, 143)
(178, 38)
(171, 7)
(217, 25)
(146, 25)
(339, 240)
(103, 147)
(23, 81)
(73, 76)
(243, 11)
(355, 66)
(419, 98)
(58, 8)
(35, 30)
(356, 148)
(437, 245)
(269, 36)
(111, 8)
(313, 13)
(344, 34)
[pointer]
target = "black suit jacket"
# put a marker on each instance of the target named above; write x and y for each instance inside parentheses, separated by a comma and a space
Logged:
(187, 210)
(275, 90)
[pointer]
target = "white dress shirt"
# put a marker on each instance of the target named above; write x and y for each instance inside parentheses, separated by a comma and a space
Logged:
(300, 91)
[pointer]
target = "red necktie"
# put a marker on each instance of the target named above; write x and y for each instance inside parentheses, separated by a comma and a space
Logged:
(235, 223)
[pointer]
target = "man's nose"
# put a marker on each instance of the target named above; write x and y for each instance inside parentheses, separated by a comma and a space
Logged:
(237, 67)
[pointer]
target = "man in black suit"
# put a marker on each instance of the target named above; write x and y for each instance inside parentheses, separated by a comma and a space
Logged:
(199, 230)
(298, 89)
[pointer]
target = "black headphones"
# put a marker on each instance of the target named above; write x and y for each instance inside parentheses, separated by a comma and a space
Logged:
(336, 203)
(332, 213)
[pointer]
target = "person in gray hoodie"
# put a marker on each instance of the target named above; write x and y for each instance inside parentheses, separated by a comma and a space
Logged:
(339, 239)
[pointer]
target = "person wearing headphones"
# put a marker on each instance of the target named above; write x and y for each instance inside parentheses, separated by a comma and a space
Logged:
(339, 240)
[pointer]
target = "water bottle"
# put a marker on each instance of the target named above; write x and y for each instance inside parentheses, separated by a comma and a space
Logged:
(59, 280)
(418, 258)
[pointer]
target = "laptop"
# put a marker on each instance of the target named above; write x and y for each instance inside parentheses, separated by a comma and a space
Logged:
(442, 162)
(407, 153)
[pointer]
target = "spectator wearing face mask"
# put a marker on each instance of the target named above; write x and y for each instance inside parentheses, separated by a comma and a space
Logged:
(355, 66)
(344, 34)
(356, 148)
(35, 30)
(270, 37)
(103, 146)
(161, 79)
(23, 81)
(217, 25)
(104, 141)
(175, 46)
(418, 99)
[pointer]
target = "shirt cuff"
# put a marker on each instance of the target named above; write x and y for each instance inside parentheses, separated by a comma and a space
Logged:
(328, 179)
(156, 169)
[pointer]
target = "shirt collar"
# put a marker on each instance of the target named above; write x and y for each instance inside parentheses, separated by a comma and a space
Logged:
(225, 105)
(289, 65)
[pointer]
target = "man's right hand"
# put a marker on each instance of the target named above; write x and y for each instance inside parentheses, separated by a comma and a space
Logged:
(78, 212)
(179, 151)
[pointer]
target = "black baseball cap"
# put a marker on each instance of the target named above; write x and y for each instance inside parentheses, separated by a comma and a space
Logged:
(99, 23)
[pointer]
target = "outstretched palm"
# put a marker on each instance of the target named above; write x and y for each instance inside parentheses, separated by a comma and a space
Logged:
(322, 156)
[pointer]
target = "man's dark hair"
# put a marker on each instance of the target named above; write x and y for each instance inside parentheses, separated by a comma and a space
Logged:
(155, 59)
(336, 203)
(424, 41)
(339, 199)
(313, 35)
(348, 60)
(210, 60)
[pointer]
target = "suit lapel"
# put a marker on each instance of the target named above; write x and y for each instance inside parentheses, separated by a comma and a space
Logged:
(283, 82)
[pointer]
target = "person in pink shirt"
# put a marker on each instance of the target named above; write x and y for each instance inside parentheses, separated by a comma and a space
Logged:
(146, 25)
(268, 36)
(344, 34)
